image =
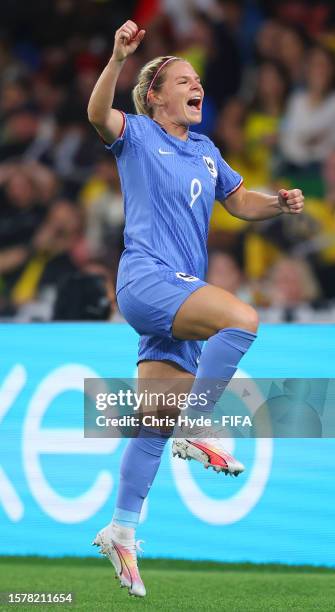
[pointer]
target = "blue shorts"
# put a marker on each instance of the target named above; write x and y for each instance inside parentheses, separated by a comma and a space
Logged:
(149, 302)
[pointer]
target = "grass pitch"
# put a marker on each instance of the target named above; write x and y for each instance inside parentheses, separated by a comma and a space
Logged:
(171, 585)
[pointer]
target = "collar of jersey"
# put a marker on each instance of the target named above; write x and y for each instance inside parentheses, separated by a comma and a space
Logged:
(174, 139)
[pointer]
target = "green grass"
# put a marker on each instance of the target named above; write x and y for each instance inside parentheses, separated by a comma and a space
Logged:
(172, 585)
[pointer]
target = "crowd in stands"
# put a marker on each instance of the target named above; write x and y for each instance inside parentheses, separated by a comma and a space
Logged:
(268, 69)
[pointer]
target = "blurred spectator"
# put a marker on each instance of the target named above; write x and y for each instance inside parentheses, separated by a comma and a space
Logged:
(263, 118)
(103, 202)
(224, 66)
(82, 297)
(9, 65)
(229, 136)
(160, 39)
(198, 46)
(22, 199)
(308, 129)
(226, 230)
(291, 282)
(319, 245)
(292, 54)
(125, 84)
(15, 94)
(290, 286)
(48, 96)
(44, 261)
(224, 272)
(20, 133)
(311, 14)
(229, 129)
(248, 135)
(267, 43)
(88, 295)
(99, 267)
(72, 150)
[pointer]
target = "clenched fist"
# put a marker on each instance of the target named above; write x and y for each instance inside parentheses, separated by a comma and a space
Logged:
(291, 201)
(127, 39)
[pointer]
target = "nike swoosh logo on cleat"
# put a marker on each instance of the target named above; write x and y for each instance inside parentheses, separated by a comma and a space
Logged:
(165, 152)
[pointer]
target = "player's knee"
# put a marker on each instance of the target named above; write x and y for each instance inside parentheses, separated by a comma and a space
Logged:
(249, 319)
(252, 320)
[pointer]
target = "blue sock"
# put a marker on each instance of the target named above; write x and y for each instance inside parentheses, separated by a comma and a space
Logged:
(218, 363)
(139, 466)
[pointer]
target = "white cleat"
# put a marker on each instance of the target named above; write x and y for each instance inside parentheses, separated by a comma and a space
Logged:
(209, 452)
(123, 557)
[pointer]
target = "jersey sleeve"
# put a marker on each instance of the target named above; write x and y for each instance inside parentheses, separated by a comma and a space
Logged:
(228, 180)
(132, 134)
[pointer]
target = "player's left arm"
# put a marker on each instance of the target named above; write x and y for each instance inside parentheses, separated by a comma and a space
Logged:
(256, 206)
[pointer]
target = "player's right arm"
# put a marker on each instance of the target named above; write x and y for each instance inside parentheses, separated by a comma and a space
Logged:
(108, 121)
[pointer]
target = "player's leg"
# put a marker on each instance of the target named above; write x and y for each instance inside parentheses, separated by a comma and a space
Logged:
(142, 455)
(209, 309)
(148, 303)
(139, 466)
(164, 369)
(230, 327)
(173, 305)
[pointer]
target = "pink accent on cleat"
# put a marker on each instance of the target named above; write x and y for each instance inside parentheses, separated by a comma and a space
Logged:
(223, 459)
(124, 559)
(209, 452)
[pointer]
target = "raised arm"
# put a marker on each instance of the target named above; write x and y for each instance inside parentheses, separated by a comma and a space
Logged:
(256, 206)
(107, 120)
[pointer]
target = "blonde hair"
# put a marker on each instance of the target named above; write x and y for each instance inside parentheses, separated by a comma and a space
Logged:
(151, 77)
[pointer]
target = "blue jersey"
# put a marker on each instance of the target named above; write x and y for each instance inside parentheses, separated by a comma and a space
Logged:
(169, 187)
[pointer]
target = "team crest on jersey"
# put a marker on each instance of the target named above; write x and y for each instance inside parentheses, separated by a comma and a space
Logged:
(210, 165)
(186, 277)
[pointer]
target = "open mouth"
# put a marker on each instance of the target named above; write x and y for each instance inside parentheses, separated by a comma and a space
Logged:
(195, 103)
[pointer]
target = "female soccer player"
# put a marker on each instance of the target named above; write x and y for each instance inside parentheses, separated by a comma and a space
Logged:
(170, 178)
